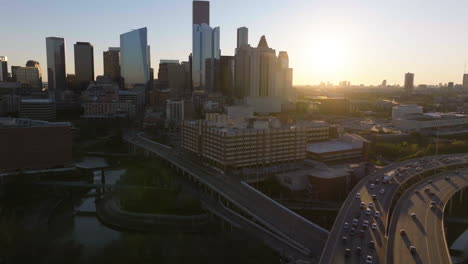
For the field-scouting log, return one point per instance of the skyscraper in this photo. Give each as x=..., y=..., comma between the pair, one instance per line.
x=258, y=72
x=242, y=37
x=205, y=47
x=172, y=75
x=201, y=12
x=56, y=64
x=112, y=64
x=134, y=57
x=465, y=81
x=263, y=69
x=84, y=63
x=3, y=68
x=284, y=76
x=409, y=82
x=226, y=75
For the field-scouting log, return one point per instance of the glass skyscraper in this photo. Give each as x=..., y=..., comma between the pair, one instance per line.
x=56, y=73
x=205, y=47
x=135, y=57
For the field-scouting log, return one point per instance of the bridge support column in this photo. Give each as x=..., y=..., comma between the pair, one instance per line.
x=450, y=206
x=461, y=195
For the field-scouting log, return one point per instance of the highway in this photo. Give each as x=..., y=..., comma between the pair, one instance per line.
x=424, y=230
x=373, y=242
x=282, y=221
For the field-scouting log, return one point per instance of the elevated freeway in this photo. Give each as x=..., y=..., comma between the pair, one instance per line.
x=376, y=192
x=418, y=220
x=286, y=225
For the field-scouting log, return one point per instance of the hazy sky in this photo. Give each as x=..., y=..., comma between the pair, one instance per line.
x=362, y=41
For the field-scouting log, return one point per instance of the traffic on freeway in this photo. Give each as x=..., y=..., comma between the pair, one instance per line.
x=359, y=232
x=416, y=233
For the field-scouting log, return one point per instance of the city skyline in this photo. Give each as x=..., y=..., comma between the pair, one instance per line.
x=344, y=45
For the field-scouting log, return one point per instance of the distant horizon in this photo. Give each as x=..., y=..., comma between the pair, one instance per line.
x=363, y=43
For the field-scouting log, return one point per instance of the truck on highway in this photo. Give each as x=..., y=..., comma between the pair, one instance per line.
x=459, y=249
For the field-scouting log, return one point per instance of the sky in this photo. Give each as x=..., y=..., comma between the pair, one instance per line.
x=361, y=41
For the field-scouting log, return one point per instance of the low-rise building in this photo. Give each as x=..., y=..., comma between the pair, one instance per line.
x=347, y=147
x=255, y=142
x=109, y=108
x=433, y=123
x=38, y=109
x=402, y=111
x=30, y=144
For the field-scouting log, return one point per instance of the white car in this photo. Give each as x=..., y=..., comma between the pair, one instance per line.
x=377, y=214
x=358, y=195
x=369, y=259
x=346, y=225
x=368, y=211
x=382, y=191
x=372, y=186
x=374, y=226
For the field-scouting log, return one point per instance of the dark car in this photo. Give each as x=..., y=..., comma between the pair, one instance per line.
x=347, y=252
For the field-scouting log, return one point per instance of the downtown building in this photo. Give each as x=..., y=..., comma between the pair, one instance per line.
x=30, y=75
x=205, y=47
x=84, y=64
x=56, y=73
x=38, y=109
x=233, y=143
x=111, y=59
x=259, y=72
x=175, y=77
x=3, y=69
x=135, y=58
x=30, y=144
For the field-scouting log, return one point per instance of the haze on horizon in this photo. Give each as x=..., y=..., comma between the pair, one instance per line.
x=361, y=42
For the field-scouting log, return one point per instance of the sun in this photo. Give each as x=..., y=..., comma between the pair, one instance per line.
x=328, y=57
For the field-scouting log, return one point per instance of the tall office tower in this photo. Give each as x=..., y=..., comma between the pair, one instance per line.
x=31, y=75
x=205, y=47
x=263, y=70
x=226, y=75
x=384, y=83
x=172, y=75
x=409, y=82
x=242, y=37
x=284, y=77
x=84, y=63
x=201, y=12
x=187, y=65
x=258, y=72
x=134, y=58
x=56, y=73
x=465, y=81
x=111, y=59
x=242, y=71
x=3, y=69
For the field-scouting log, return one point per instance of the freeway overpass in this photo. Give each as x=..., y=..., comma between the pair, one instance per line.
x=374, y=242
x=424, y=230
x=307, y=237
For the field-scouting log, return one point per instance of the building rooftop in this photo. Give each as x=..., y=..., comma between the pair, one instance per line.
x=37, y=101
x=346, y=142
x=6, y=122
x=329, y=146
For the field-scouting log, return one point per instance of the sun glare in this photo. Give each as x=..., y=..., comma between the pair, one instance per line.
x=329, y=56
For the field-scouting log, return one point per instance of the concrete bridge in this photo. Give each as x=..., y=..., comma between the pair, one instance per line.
x=302, y=239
